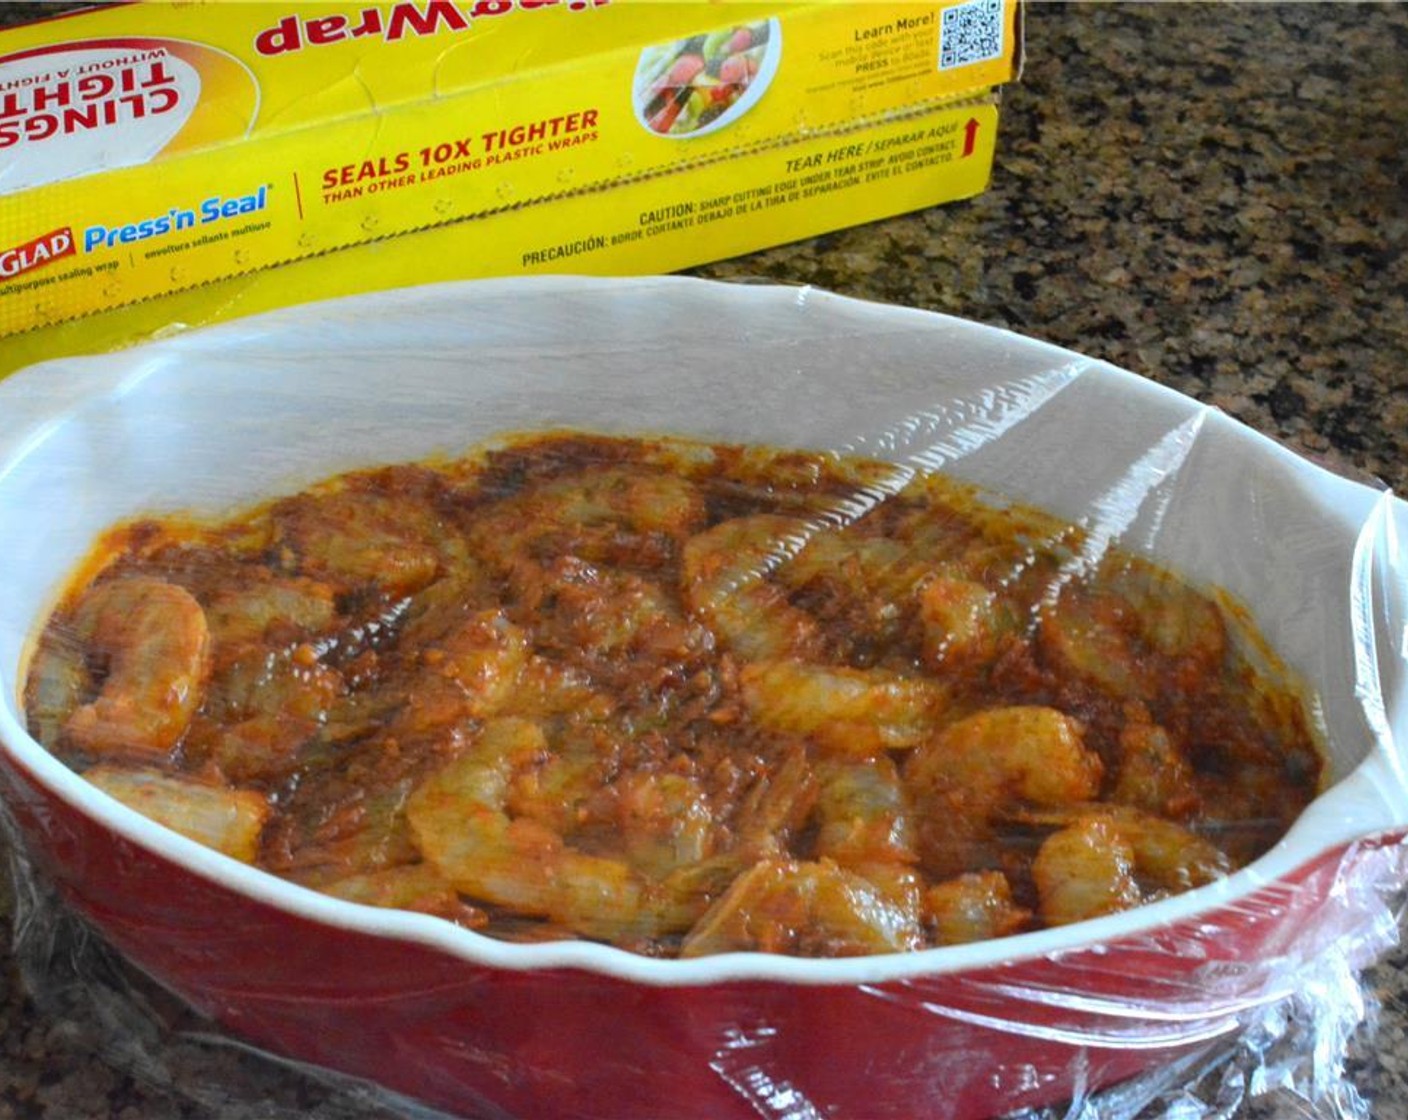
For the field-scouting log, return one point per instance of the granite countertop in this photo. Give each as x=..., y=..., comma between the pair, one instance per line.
x=1213, y=196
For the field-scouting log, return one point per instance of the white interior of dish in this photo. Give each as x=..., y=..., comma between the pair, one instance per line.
x=215, y=419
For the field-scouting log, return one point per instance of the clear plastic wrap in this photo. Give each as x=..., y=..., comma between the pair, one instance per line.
x=1188, y=1006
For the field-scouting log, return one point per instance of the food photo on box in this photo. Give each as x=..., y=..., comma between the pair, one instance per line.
x=635, y=561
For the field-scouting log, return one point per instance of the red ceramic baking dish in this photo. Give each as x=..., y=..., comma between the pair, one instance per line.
x=212, y=420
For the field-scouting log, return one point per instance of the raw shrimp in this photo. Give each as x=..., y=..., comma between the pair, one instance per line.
x=268, y=691
x=227, y=820
x=352, y=538
x=853, y=713
x=778, y=804
x=963, y=623
x=155, y=642
x=973, y=907
x=321, y=836
x=415, y=886
x=56, y=683
x=961, y=778
x=728, y=584
x=649, y=501
x=458, y=820
x=553, y=790
x=599, y=514
x=871, y=591
x=261, y=706
x=1108, y=859
x=660, y=821
x=483, y=657
x=866, y=565
x=469, y=673
x=244, y=613
x=610, y=616
x=348, y=812
x=441, y=607
x=1134, y=632
x=548, y=688
x=861, y=586
x=460, y=825
x=863, y=814
x=1153, y=773
x=590, y=788
x=996, y=544
x=807, y=909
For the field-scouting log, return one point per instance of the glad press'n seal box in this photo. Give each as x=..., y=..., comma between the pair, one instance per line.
x=182, y=163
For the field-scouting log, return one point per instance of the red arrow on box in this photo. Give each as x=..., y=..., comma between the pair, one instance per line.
x=970, y=136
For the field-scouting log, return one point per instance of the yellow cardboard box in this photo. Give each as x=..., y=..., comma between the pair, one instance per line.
x=182, y=163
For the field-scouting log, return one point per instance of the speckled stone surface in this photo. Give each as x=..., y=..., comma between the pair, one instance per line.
x=1213, y=196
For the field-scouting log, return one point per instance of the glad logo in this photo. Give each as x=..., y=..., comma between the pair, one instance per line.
x=44, y=249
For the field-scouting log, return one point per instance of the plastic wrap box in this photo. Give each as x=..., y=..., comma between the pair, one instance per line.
x=179, y=164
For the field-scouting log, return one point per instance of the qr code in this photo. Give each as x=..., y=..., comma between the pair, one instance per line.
x=970, y=33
